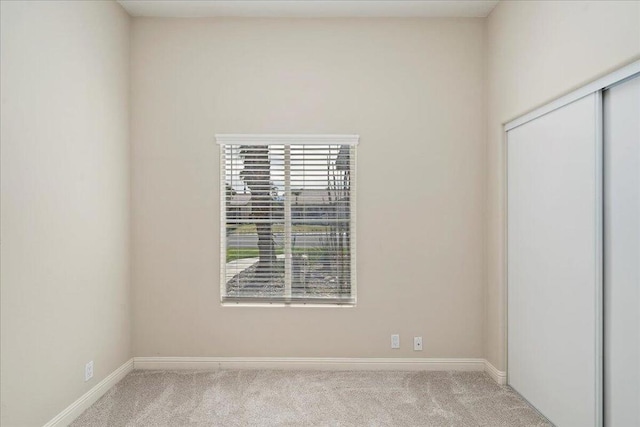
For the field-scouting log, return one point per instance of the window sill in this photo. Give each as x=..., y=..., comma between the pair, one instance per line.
x=282, y=304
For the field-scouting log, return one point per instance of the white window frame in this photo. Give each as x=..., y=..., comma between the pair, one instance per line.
x=285, y=139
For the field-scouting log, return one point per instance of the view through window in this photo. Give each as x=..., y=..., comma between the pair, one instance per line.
x=288, y=229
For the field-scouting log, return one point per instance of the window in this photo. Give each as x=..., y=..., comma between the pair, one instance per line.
x=287, y=218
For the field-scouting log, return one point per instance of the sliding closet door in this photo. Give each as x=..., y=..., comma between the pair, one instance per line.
x=622, y=254
x=554, y=262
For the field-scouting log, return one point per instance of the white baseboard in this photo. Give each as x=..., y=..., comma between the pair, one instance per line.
x=498, y=376
x=316, y=363
x=72, y=411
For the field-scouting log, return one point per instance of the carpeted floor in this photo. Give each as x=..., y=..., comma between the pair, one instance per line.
x=309, y=398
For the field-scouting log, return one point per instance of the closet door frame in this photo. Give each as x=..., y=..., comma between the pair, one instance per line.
x=597, y=86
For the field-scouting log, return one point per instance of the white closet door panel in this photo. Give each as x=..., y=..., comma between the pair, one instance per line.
x=554, y=260
x=622, y=254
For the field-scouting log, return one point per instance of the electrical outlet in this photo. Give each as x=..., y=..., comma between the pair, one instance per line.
x=88, y=371
x=417, y=343
x=395, y=341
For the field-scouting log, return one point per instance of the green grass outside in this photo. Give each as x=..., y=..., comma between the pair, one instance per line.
x=241, y=253
x=279, y=228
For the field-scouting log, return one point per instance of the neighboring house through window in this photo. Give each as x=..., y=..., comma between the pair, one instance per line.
x=288, y=218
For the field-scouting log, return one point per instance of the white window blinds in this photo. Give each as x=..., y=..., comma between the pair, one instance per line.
x=288, y=218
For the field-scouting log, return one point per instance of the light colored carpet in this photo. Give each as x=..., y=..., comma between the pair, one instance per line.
x=309, y=398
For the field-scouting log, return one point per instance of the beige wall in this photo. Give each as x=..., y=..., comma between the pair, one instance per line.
x=412, y=89
x=537, y=51
x=65, y=202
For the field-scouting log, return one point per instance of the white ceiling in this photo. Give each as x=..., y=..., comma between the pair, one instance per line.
x=309, y=8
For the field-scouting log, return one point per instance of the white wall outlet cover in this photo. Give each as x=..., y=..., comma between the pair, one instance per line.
x=417, y=343
x=88, y=371
x=395, y=341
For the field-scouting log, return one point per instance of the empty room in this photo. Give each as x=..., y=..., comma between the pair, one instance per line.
x=320, y=213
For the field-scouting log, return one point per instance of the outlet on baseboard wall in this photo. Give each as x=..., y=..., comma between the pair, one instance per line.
x=88, y=371
x=417, y=343
x=395, y=341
